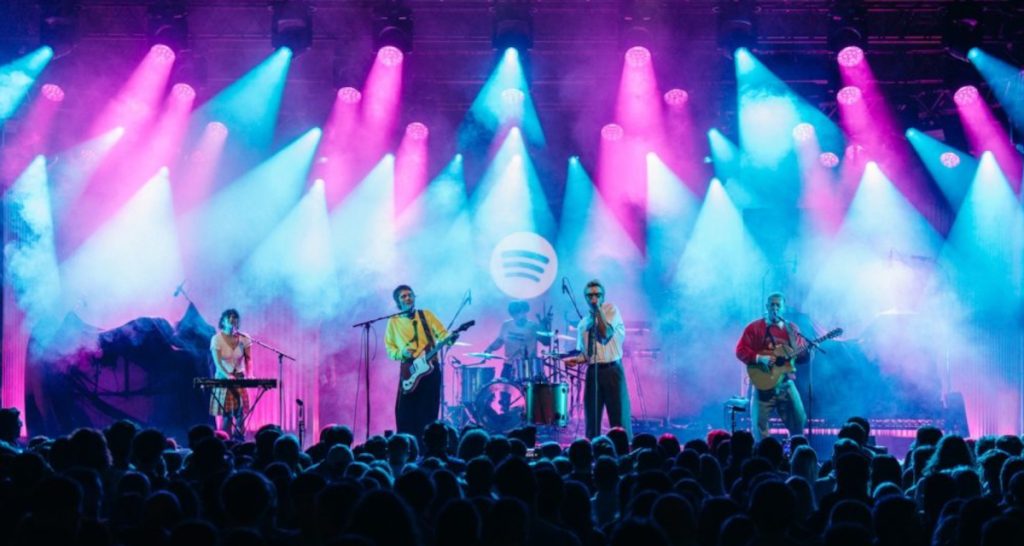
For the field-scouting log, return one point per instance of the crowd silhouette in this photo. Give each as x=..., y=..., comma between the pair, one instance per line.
x=126, y=485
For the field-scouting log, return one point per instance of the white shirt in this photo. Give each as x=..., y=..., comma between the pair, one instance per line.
x=610, y=350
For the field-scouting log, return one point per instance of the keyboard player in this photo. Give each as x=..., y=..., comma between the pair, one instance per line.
x=232, y=359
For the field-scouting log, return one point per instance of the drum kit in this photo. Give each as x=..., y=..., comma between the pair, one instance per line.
x=526, y=391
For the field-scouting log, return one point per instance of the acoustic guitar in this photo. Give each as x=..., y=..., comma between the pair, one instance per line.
x=785, y=362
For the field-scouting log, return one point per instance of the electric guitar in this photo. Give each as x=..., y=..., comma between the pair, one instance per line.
x=414, y=369
x=785, y=360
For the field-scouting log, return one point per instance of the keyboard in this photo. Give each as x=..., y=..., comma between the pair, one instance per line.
x=244, y=383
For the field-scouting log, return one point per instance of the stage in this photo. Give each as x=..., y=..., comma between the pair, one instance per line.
x=298, y=164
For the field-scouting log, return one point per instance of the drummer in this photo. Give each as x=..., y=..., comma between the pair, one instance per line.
x=519, y=336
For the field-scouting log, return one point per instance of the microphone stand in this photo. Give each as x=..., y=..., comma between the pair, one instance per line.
x=567, y=289
x=572, y=299
x=365, y=357
x=280, y=376
x=444, y=356
x=810, y=383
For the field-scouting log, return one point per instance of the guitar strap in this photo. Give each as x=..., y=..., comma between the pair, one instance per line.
x=769, y=339
x=791, y=334
x=426, y=330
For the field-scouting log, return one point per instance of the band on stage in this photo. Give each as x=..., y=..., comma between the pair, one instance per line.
x=534, y=387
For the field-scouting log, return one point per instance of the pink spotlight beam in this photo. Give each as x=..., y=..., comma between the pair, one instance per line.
x=52, y=92
x=638, y=56
x=850, y=56
x=676, y=98
x=612, y=131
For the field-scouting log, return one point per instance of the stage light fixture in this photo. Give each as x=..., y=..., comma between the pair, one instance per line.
x=58, y=25
x=291, y=25
x=962, y=28
x=167, y=24
x=637, y=19
x=392, y=25
x=676, y=98
x=513, y=25
x=737, y=25
x=847, y=25
x=966, y=95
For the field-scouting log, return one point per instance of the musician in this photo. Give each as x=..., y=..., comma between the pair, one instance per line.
x=408, y=335
x=232, y=359
x=599, y=338
x=759, y=339
x=519, y=335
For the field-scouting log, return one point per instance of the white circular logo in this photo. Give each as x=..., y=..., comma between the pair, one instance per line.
x=524, y=265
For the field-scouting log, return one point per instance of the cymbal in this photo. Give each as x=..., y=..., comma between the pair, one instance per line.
x=485, y=356
x=462, y=344
x=544, y=333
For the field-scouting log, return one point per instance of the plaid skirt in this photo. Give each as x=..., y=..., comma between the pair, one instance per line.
x=228, y=401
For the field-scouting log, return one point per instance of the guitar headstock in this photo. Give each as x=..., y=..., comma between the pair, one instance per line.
x=464, y=326
x=832, y=334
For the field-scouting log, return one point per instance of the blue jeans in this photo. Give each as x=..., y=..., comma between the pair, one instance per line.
x=785, y=401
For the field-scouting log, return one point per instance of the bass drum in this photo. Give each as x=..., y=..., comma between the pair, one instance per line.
x=499, y=406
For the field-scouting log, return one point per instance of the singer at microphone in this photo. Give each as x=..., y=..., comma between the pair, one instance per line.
x=600, y=336
x=409, y=335
x=232, y=359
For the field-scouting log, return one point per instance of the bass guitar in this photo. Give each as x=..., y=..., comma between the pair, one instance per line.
x=785, y=362
x=414, y=369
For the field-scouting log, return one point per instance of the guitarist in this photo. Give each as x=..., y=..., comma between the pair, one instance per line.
x=408, y=335
x=760, y=339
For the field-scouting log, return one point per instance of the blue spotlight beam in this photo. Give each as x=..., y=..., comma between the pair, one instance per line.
x=504, y=100
x=17, y=77
x=953, y=181
x=1006, y=81
x=769, y=110
x=30, y=263
x=985, y=245
x=254, y=203
x=249, y=106
x=510, y=197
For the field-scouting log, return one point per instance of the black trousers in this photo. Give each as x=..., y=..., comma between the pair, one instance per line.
x=417, y=409
x=611, y=393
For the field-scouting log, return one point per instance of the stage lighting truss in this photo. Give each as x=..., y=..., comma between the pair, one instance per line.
x=847, y=25
x=58, y=25
x=189, y=67
x=637, y=22
x=737, y=25
x=291, y=25
x=513, y=25
x=167, y=24
x=962, y=28
x=392, y=25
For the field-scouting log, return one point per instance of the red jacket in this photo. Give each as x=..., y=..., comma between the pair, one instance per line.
x=755, y=340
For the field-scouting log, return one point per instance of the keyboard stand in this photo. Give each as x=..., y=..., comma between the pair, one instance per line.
x=238, y=428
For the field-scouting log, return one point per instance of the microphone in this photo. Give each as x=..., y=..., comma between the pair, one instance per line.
x=469, y=297
x=299, y=402
x=177, y=291
x=565, y=285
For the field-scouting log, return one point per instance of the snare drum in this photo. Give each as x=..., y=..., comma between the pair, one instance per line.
x=473, y=378
x=547, y=404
